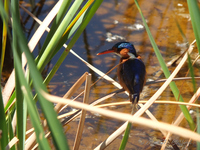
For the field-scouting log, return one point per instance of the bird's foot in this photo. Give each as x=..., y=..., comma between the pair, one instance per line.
x=124, y=60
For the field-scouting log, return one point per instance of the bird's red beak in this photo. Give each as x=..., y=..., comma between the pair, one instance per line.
x=106, y=52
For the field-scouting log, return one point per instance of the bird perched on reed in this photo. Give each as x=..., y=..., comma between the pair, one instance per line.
x=131, y=71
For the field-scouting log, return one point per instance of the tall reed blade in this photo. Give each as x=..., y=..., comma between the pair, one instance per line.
x=4, y=39
x=20, y=105
x=195, y=19
x=194, y=89
x=198, y=127
x=192, y=74
x=34, y=115
x=3, y=126
x=126, y=136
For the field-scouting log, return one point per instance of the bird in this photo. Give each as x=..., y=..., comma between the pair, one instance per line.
x=131, y=71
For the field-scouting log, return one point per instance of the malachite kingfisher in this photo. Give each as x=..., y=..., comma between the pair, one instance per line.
x=131, y=71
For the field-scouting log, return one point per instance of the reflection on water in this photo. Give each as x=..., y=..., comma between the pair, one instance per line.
x=114, y=21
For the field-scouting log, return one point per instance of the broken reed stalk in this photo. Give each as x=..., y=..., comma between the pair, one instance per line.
x=83, y=114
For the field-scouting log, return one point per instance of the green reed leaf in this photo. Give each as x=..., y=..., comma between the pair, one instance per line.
x=32, y=109
x=195, y=19
x=198, y=127
x=3, y=127
x=126, y=136
x=20, y=105
x=192, y=73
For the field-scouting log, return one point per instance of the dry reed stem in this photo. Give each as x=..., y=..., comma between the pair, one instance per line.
x=143, y=101
x=65, y=115
x=29, y=141
x=124, y=117
x=165, y=141
x=175, y=79
x=30, y=131
x=36, y=145
x=83, y=114
x=12, y=142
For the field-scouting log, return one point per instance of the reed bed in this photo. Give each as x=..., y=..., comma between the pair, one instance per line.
x=17, y=99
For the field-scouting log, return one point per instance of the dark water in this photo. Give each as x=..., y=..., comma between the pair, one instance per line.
x=118, y=20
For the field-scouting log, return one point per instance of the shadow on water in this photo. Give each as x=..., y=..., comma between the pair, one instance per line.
x=118, y=20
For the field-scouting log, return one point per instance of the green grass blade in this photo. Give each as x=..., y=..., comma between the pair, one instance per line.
x=194, y=14
x=4, y=39
x=181, y=31
x=20, y=107
x=3, y=127
x=3, y=13
x=10, y=129
x=192, y=73
x=198, y=127
x=126, y=136
x=10, y=101
x=173, y=86
x=34, y=115
x=194, y=89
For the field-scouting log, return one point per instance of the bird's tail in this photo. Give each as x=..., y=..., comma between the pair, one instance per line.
x=134, y=98
x=134, y=108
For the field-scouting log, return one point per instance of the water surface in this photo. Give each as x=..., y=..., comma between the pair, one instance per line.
x=114, y=21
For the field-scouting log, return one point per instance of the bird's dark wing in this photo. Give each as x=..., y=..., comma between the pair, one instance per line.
x=133, y=75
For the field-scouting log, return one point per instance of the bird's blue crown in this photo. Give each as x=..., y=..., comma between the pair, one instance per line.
x=127, y=45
